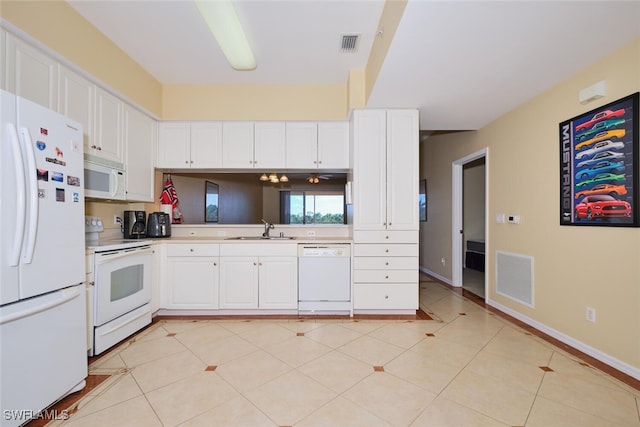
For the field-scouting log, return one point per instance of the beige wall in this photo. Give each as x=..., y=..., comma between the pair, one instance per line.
x=574, y=267
x=247, y=102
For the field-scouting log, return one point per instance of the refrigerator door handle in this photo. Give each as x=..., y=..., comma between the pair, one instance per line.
x=32, y=178
x=21, y=195
x=67, y=295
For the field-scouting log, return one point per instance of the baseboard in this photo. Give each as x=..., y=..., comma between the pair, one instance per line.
x=578, y=345
x=436, y=276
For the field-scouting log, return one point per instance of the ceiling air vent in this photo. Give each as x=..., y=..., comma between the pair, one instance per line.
x=349, y=43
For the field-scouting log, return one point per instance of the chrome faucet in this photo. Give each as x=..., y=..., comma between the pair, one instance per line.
x=267, y=226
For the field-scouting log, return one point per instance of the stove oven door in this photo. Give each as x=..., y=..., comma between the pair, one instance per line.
x=122, y=282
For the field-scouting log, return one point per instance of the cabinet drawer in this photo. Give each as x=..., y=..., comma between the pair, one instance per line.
x=385, y=276
x=385, y=297
x=385, y=263
x=195, y=249
x=382, y=236
x=385, y=250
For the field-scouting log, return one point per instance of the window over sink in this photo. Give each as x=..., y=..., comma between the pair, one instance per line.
x=312, y=207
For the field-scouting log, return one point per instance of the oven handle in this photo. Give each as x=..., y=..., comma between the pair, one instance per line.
x=104, y=257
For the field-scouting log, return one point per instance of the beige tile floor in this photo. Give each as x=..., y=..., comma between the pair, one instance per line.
x=468, y=367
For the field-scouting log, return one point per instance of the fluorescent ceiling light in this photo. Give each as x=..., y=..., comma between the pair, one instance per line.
x=223, y=22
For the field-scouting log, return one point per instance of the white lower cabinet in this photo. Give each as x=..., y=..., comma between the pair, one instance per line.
x=259, y=282
x=385, y=270
x=239, y=279
x=205, y=276
x=192, y=275
x=259, y=276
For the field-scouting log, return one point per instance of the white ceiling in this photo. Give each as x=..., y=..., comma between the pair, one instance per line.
x=462, y=63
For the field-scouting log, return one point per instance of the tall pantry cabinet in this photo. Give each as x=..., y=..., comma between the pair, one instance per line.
x=385, y=210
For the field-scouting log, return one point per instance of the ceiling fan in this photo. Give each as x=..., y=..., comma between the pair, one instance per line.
x=314, y=179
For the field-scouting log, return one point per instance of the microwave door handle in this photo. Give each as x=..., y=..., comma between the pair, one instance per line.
x=21, y=197
x=116, y=183
x=32, y=228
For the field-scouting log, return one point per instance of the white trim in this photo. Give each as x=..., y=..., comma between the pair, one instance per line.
x=436, y=275
x=456, y=212
x=578, y=345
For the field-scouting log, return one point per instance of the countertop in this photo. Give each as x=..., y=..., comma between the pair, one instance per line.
x=226, y=240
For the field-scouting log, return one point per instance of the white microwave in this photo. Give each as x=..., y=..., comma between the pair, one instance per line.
x=104, y=180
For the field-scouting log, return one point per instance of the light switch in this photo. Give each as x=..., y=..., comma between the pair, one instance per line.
x=500, y=218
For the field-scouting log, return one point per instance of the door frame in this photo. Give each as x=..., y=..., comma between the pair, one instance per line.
x=456, y=212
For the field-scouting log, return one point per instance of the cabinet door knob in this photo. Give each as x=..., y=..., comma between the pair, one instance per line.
x=319, y=161
x=215, y=264
x=386, y=297
x=386, y=250
x=191, y=250
x=191, y=161
x=386, y=237
x=94, y=147
x=255, y=263
x=315, y=163
x=386, y=263
x=99, y=148
x=186, y=161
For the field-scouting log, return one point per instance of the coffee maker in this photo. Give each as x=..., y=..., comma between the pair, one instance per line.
x=135, y=225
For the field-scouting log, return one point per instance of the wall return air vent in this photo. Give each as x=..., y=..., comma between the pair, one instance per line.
x=349, y=43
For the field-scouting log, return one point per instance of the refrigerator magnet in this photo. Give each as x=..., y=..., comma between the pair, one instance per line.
x=41, y=145
x=76, y=197
x=59, y=194
x=73, y=180
x=57, y=176
x=43, y=174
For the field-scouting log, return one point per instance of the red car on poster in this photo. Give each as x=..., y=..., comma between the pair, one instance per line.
x=602, y=115
x=601, y=206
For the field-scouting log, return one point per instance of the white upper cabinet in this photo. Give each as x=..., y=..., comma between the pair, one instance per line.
x=385, y=169
x=237, y=145
x=30, y=73
x=108, y=141
x=402, y=170
x=174, y=145
x=302, y=145
x=333, y=145
x=189, y=145
x=269, y=145
x=206, y=145
x=323, y=145
x=77, y=101
x=140, y=133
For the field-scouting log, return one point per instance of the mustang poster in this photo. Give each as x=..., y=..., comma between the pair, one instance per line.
x=599, y=166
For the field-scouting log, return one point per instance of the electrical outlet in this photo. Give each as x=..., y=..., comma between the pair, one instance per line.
x=117, y=220
x=442, y=260
x=591, y=314
x=311, y=233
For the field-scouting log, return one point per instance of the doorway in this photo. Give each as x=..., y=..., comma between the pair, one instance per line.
x=469, y=222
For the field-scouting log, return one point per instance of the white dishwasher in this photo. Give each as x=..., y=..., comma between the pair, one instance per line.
x=324, y=279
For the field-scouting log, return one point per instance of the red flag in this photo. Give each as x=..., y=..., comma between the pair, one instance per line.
x=169, y=196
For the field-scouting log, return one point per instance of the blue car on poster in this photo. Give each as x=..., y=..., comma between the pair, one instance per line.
x=601, y=167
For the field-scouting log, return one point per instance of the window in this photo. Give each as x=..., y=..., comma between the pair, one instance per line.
x=312, y=207
x=211, y=192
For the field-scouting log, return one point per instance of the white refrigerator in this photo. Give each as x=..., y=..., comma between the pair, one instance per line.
x=43, y=350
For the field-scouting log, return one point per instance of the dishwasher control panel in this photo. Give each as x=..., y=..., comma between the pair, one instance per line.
x=324, y=251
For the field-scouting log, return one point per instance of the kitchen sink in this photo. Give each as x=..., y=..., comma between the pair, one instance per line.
x=260, y=238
